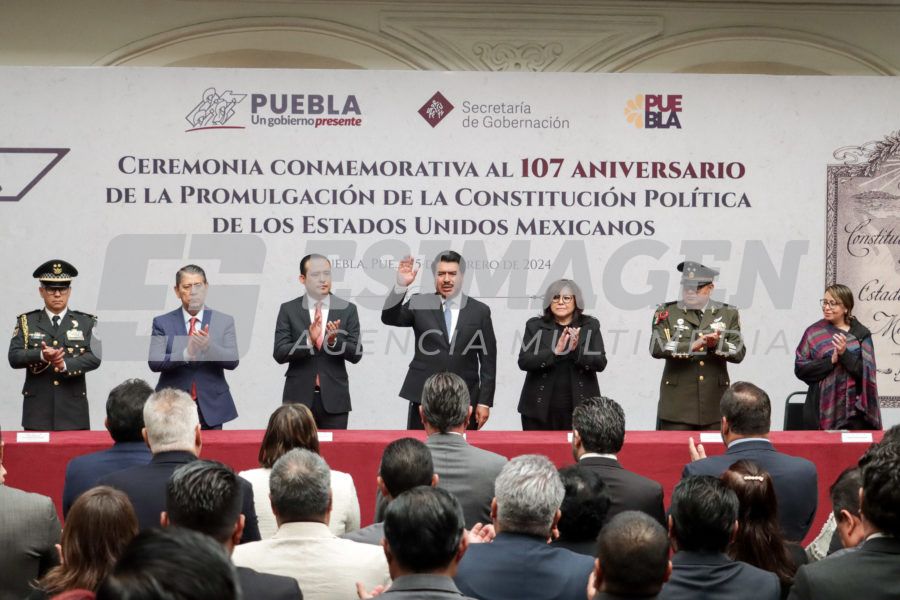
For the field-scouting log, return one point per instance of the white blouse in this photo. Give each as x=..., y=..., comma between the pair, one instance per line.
x=344, y=503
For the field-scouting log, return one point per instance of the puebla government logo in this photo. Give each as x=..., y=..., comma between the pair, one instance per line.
x=654, y=111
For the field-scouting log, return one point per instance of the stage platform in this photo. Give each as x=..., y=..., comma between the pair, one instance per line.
x=40, y=466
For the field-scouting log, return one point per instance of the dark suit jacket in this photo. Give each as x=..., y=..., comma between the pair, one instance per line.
x=424, y=587
x=167, y=346
x=536, y=357
x=697, y=575
x=471, y=352
x=145, y=486
x=55, y=401
x=293, y=346
x=29, y=529
x=367, y=535
x=794, y=478
x=265, y=586
x=83, y=472
x=872, y=573
x=627, y=490
x=523, y=566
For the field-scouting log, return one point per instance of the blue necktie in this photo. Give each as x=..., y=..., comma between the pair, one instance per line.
x=448, y=319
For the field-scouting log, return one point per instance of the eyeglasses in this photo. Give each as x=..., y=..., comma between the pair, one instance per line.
x=563, y=299
x=829, y=303
x=56, y=291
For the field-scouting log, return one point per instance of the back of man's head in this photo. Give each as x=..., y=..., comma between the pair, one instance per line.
x=528, y=492
x=600, y=423
x=125, y=410
x=405, y=464
x=205, y=496
x=300, y=487
x=747, y=409
x=445, y=401
x=844, y=492
x=633, y=552
x=880, y=504
x=171, y=421
x=584, y=506
x=172, y=563
x=423, y=527
x=703, y=514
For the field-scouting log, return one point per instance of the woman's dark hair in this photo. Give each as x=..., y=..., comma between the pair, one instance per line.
x=555, y=289
x=99, y=526
x=290, y=426
x=585, y=505
x=759, y=540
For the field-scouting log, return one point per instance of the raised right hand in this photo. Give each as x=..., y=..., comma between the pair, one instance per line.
x=407, y=271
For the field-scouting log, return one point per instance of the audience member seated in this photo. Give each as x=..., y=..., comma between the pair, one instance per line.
x=124, y=421
x=519, y=563
x=702, y=524
x=293, y=426
x=29, y=532
x=845, y=510
x=584, y=510
x=99, y=526
x=871, y=572
x=465, y=471
x=172, y=430
x=172, y=563
x=405, y=464
x=599, y=433
x=746, y=416
x=424, y=540
x=632, y=558
x=303, y=547
x=759, y=540
x=205, y=496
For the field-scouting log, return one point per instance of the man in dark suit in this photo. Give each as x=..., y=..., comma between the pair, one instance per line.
x=29, y=532
x=599, y=433
x=424, y=540
x=191, y=348
x=632, y=558
x=206, y=496
x=317, y=334
x=405, y=464
x=702, y=523
x=519, y=563
x=453, y=332
x=172, y=430
x=125, y=422
x=56, y=347
x=871, y=571
x=746, y=416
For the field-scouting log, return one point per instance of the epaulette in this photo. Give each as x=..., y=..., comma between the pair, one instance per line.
x=88, y=315
x=30, y=312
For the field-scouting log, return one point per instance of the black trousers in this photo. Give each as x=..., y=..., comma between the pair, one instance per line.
x=325, y=419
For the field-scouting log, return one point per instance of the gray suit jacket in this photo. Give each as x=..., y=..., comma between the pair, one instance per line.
x=367, y=535
x=29, y=531
x=424, y=587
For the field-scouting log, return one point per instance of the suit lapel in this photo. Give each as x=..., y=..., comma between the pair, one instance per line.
x=304, y=311
x=45, y=325
x=178, y=321
x=438, y=315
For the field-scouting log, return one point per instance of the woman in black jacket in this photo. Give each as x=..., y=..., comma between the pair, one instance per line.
x=562, y=352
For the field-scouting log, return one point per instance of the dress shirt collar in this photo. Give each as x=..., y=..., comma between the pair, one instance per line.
x=598, y=455
x=424, y=582
x=304, y=529
x=188, y=316
x=749, y=439
x=311, y=303
x=61, y=315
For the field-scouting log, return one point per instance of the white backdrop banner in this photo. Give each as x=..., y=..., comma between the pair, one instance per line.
x=610, y=180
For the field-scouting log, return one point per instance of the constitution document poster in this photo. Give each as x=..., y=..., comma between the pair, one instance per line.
x=783, y=184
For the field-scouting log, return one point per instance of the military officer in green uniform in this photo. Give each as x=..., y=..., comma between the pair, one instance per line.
x=697, y=337
x=53, y=344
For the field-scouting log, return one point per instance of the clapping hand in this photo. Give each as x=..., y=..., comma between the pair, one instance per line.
x=839, y=342
x=364, y=595
x=562, y=344
x=406, y=272
x=331, y=331
x=697, y=452
x=574, y=333
x=315, y=328
x=54, y=356
x=198, y=342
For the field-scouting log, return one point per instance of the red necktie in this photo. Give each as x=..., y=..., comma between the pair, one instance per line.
x=191, y=331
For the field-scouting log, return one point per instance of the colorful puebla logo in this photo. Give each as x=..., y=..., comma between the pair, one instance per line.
x=654, y=111
x=435, y=109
